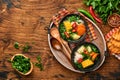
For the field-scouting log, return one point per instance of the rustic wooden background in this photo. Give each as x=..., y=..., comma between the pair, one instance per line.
x=25, y=21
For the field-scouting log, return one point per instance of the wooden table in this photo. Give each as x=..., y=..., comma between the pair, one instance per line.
x=25, y=21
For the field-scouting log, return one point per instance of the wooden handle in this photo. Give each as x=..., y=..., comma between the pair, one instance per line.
x=67, y=54
x=67, y=46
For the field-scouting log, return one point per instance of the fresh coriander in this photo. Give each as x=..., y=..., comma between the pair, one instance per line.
x=26, y=48
x=39, y=58
x=16, y=45
x=39, y=64
x=104, y=7
x=21, y=63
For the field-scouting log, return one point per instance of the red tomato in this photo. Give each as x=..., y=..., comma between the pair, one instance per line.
x=80, y=60
x=76, y=28
x=74, y=25
x=73, y=30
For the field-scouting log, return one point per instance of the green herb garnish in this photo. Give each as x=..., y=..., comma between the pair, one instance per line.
x=104, y=7
x=78, y=65
x=21, y=63
x=16, y=45
x=39, y=64
x=24, y=48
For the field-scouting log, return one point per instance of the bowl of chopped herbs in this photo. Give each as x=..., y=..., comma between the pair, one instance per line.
x=22, y=64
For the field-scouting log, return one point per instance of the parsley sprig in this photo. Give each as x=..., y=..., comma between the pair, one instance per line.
x=25, y=48
x=104, y=7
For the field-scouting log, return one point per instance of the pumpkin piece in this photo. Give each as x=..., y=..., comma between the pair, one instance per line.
x=94, y=56
x=81, y=29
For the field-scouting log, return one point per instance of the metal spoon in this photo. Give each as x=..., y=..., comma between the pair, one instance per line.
x=55, y=34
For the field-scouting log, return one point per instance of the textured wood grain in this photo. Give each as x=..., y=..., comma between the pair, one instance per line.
x=24, y=21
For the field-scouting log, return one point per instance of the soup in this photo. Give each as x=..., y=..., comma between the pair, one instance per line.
x=72, y=27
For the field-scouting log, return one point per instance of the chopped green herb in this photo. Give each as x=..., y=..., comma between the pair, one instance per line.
x=78, y=65
x=21, y=63
x=39, y=64
x=73, y=18
x=26, y=48
x=16, y=45
x=39, y=58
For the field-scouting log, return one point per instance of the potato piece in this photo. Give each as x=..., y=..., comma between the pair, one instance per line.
x=87, y=63
x=81, y=49
x=89, y=49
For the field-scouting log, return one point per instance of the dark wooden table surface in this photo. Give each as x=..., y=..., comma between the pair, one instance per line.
x=25, y=21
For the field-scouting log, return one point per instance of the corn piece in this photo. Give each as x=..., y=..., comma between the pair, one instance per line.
x=87, y=63
x=67, y=25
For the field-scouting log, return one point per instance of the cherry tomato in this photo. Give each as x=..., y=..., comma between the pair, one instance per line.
x=73, y=30
x=80, y=60
x=74, y=25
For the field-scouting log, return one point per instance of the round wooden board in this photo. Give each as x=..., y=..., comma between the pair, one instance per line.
x=99, y=42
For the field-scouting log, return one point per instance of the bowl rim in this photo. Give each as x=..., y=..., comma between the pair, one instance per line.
x=88, y=69
x=85, y=23
x=31, y=68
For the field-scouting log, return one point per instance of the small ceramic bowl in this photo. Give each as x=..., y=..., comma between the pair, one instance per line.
x=31, y=65
x=97, y=62
x=82, y=37
x=114, y=20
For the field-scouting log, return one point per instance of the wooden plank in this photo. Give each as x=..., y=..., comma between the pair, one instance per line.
x=25, y=22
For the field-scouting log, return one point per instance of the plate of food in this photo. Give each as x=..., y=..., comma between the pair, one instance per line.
x=113, y=42
x=76, y=38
